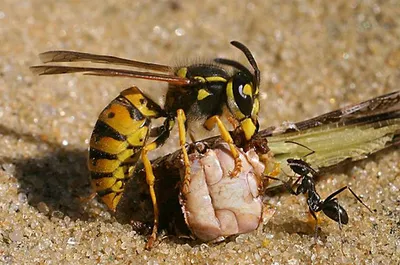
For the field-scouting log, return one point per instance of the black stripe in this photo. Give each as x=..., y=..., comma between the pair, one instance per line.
x=100, y=175
x=134, y=113
x=132, y=160
x=102, y=129
x=95, y=154
x=102, y=193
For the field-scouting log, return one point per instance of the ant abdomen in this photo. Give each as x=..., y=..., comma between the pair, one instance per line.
x=336, y=212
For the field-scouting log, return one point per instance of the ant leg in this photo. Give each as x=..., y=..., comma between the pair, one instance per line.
x=329, y=198
x=209, y=124
x=288, y=187
x=338, y=212
x=316, y=224
x=358, y=198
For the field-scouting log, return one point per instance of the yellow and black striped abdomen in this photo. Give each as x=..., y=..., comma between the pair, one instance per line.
x=116, y=143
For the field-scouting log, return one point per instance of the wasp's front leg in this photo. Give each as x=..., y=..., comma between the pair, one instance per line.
x=209, y=124
x=182, y=142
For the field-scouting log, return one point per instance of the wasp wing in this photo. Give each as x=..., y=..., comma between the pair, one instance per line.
x=370, y=107
x=72, y=56
x=348, y=134
x=59, y=69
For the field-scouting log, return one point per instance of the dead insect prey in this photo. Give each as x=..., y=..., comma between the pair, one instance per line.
x=217, y=205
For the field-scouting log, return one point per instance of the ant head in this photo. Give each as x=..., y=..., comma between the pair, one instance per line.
x=337, y=213
x=300, y=167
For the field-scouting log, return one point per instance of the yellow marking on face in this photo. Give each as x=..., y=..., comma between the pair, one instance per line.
x=248, y=128
x=117, y=116
x=136, y=97
x=232, y=103
x=256, y=107
x=229, y=91
x=107, y=144
x=138, y=138
x=202, y=94
x=215, y=79
x=182, y=72
x=103, y=165
x=247, y=90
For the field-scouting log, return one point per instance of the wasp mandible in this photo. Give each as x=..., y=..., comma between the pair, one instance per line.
x=195, y=92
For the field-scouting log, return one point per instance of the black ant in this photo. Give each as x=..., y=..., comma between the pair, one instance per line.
x=330, y=206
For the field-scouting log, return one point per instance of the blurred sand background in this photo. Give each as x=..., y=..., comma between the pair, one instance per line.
x=314, y=56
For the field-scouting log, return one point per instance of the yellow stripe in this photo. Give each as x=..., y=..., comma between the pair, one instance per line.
x=107, y=144
x=139, y=137
x=202, y=93
x=136, y=97
x=117, y=116
x=182, y=72
x=117, y=187
x=103, y=183
x=125, y=154
x=111, y=200
x=215, y=79
x=200, y=78
x=103, y=165
x=119, y=173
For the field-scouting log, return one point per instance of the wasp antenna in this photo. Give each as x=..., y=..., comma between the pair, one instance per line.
x=249, y=57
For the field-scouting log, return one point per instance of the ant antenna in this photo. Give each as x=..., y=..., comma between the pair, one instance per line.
x=302, y=145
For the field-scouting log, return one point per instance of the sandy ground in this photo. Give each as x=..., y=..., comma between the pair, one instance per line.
x=314, y=57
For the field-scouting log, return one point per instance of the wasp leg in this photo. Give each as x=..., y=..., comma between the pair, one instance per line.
x=150, y=178
x=209, y=124
x=182, y=142
x=88, y=198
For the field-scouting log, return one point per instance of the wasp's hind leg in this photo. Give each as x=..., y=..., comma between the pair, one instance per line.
x=150, y=178
x=209, y=124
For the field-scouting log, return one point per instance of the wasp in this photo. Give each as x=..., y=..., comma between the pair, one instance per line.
x=121, y=135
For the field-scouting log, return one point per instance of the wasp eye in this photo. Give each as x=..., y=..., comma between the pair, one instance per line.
x=243, y=93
